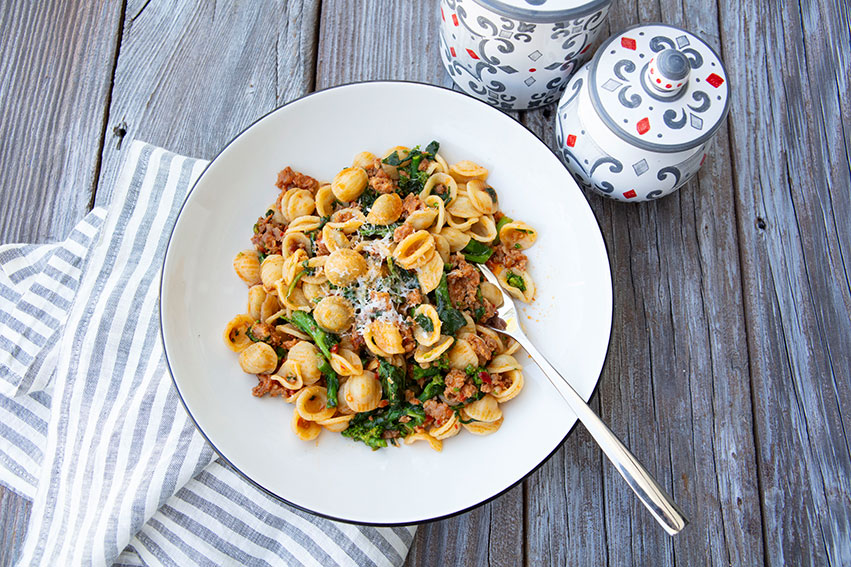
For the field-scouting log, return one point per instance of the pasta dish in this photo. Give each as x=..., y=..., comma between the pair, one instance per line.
x=366, y=310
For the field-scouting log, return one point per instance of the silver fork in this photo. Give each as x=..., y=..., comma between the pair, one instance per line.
x=651, y=494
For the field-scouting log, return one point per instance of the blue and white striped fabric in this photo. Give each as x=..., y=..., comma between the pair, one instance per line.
x=91, y=428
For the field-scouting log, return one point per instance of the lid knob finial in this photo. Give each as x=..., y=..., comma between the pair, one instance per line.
x=668, y=71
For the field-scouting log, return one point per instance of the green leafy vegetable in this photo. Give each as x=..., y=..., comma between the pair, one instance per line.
x=499, y=224
x=293, y=283
x=411, y=179
x=515, y=280
x=392, y=380
x=477, y=252
x=367, y=229
x=332, y=382
x=424, y=322
x=451, y=318
x=400, y=277
x=367, y=199
x=432, y=389
x=370, y=427
x=324, y=341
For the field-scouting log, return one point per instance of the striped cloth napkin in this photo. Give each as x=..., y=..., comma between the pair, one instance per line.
x=91, y=428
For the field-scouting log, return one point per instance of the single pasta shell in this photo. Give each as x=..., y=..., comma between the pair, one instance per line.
x=464, y=171
x=481, y=428
x=337, y=424
x=422, y=336
x=450, y=428
x=435, y=444
x=430, y=273
x=433, y=352
x=344, y=266
x=270, y=271
x=346, y=362
x=312, y=405
x=486, y=409
x=386, y=210
x=258, y=358
x=235, y=335
x=289, y=376
x=462, y=355
x=325, y=201
x=517, y=234
x=362, y=393
x=304, y=429
x=503, y=363
x=246, y=264
x=349, y=184
x=516, y=377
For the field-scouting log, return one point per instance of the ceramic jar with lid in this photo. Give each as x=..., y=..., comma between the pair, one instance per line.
x=635, y=122
x=517, y=54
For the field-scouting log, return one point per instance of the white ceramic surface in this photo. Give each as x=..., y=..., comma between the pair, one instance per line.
x=336, y=477
x=629, y=138
x=522, y=61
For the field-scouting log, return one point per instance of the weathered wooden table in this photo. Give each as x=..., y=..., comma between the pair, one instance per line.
x=728, y=372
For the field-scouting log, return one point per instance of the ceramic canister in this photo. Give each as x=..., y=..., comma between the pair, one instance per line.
x=517, y=54
x=635, y=122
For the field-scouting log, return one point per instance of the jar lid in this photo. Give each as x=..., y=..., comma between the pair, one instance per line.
x=659, y=87
x=544, y=11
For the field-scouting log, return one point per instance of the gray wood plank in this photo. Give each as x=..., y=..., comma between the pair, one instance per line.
x=55, y=76
x=565, y=517
x=191, y=76
x=675, y=386
x=14, y=515
x=790, y=145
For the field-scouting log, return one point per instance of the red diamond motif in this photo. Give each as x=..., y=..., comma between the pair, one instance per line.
x=472, y=54
x=628, y=42
x=643, y=125
x=455, y=19
x=585, y=49
x=703, y=159
x=630, y=194
x=571, y=140
x=714, y=80
x=442, y=15
x=452, y=51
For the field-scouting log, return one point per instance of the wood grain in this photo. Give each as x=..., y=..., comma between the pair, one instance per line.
x=14, y=515
x=192, y=75
x=790, y=148
x=57, y=60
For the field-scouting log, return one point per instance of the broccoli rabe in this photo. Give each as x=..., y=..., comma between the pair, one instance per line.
x=392, y=380
x=451, y=318
x=370, y=427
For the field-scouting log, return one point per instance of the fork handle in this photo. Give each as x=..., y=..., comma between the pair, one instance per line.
x=651, y=494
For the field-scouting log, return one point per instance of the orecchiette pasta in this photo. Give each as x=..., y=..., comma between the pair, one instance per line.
x=365, y=308
x=247, y=266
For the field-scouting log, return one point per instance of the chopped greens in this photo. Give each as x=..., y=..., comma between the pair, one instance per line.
x=367, y=199
x=411, y=179
x=392, y=380
x=515, y=280
x=451, y=318
x=332, y=382
x=477, y=252
x=424, y=322
x=404, y=279
x=324, y=341
x=371, y=427
x=376, y=230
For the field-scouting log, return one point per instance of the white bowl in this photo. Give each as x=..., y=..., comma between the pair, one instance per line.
x=336, y=477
